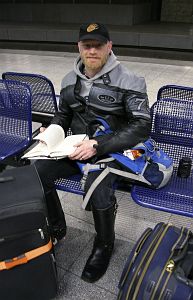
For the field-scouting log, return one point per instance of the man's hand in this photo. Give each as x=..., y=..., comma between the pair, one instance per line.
x=84, y=150
x=42, y=129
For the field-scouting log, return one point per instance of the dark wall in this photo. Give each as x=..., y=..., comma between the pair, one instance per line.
x=114, y=12
x=78, y=1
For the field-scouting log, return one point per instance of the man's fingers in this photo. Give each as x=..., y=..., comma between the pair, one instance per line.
x=42, y=129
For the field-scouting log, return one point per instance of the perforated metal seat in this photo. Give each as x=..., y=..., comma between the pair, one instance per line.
x=71, y=185
x=44, y=103
x=172, y=129
x=15, y=118
x=175, y=92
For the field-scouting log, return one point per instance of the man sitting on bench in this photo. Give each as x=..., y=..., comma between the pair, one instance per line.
x=98, y=87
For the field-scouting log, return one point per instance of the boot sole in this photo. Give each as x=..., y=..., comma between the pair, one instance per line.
x=86, y=279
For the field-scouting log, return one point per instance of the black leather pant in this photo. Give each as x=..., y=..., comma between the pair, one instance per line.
x=50, y=170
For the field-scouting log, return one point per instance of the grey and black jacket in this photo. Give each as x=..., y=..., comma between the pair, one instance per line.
x=114, y=94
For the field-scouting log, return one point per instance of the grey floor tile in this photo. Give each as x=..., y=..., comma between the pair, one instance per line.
x=69, y=249
x=60, y=272
x=71, y=204
x=133, y=219
x=111, y=278
x=73, y=288
x=181, y=221
x=130, y=208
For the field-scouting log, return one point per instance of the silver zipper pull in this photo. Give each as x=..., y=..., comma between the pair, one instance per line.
x=47, y=222
x=41, y=233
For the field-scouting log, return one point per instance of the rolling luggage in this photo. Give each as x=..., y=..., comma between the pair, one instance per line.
x=27, y=262
x=160, y=266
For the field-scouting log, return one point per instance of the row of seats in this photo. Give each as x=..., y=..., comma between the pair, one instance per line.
x=172, y=130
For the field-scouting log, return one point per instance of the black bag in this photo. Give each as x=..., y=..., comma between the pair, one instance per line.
x=27, y=262
x=160, y=266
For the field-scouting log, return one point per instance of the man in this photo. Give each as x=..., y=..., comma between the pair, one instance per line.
x=98, y=87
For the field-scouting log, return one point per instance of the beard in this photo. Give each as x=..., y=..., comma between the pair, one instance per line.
x=95, y=64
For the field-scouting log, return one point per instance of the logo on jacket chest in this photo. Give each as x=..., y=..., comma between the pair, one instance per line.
x=106, y=99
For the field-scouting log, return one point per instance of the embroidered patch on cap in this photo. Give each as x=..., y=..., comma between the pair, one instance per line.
x=92, y=27
x=94, y=31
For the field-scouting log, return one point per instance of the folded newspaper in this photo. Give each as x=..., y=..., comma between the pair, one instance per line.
x=53, y=144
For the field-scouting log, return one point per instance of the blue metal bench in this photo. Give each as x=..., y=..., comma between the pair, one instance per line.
x=175, y=92
x=172, y=129
x=15, y=118
x=71, y=185
x=44, y=103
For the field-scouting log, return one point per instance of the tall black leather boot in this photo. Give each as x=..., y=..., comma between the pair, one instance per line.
x=56, y=215
x=98, y=261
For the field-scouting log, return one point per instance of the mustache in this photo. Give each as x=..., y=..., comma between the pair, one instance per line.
x=92, y=56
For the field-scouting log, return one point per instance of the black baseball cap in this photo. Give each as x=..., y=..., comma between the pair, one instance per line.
x=94, y=31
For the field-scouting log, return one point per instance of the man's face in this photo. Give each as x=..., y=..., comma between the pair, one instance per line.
x=94, y=54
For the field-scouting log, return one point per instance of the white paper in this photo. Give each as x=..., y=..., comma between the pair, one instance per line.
x=53, y=144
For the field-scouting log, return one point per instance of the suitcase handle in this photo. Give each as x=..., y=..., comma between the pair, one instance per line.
x=179, y=271
x=179, y=274
x=181, y=255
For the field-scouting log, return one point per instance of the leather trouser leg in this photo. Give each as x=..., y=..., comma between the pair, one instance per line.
x=49, y=171
x=56, y=214
x=98, y=261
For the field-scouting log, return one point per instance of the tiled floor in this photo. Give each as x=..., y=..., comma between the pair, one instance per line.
x=132, y=219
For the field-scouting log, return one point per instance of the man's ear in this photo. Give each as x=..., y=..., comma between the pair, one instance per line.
x=110, y=44
x=79, y=46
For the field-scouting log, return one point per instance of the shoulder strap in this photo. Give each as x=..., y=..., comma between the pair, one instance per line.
x=103, y=174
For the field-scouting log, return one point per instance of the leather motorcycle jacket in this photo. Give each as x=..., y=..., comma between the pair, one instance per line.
x=114, y=94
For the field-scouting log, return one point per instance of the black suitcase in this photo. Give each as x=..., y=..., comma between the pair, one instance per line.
x=27, y=262
x=160, y=266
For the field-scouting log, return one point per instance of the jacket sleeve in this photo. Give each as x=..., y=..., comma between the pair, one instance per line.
x=138, y=129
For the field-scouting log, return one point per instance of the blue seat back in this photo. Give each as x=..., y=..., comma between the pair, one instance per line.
x=42, y=90
x=15, y=117
x=172, y=127
x=175, y=92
